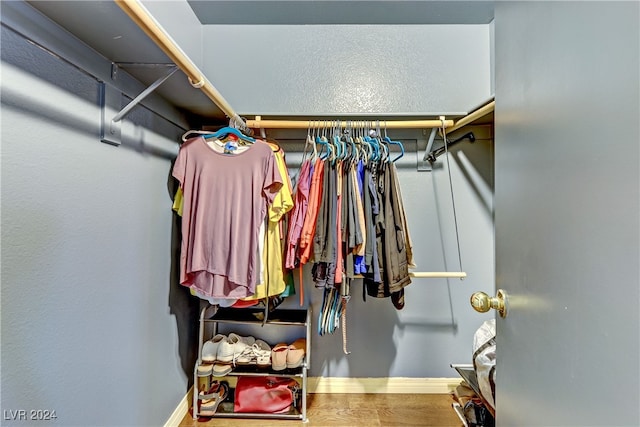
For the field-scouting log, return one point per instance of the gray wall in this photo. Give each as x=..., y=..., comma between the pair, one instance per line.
x=87, y=299
x=88, y=324
x=567, y=212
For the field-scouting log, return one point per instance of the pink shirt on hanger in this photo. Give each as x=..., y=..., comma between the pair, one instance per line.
x=225, y=201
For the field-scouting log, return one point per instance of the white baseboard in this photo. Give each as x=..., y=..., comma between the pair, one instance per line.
x=337, y=385
x=181, y=410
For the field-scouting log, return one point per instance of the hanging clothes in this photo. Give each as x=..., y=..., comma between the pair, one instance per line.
x=390, y=238
x=225, y=198
x=297, y=217
x=272, y=278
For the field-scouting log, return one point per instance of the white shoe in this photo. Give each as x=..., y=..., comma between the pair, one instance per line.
x=257, y=354
x=233, y=347
x=210, y=348
x=262, y=351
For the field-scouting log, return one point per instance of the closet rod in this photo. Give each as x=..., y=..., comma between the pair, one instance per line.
x=473, y=116
x=438, y=274
x=143, y=19
x=432, y=275
x=389, y=124
x=306, y=124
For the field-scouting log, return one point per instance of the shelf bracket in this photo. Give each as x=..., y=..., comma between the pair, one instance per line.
x=110, y=128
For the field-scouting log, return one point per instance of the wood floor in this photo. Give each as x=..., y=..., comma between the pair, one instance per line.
x=361, y=410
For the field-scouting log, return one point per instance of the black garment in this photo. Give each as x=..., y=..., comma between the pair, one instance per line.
x=390, y=239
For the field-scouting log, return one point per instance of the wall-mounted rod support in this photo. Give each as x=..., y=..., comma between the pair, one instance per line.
x=143, y=19
x=135, y=101
x=433, y=155
x=432, y=137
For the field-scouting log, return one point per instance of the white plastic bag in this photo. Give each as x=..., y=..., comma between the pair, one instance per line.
x=484, y=360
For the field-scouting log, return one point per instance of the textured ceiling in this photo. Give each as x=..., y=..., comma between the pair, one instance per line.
x=342, y=12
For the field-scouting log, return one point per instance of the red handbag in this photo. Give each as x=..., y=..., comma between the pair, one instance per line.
x=272, y=395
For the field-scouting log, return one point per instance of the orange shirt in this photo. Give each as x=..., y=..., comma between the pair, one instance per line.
x=315, y=197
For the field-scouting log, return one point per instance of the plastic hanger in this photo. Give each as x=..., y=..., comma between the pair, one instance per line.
x=225, y=131
x=373, y=143
x=354, y=154
x=324, y=142
x=337, y=143
x=389, y=141
x=310, y=141
x=185, y=135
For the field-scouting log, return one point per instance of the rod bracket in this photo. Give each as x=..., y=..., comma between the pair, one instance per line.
x=110, y=98
x=423, y=164
x=110, y=126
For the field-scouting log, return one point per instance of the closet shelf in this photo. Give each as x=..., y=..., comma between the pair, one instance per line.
x=145, y=21
x=253, y=315
x=288, y=373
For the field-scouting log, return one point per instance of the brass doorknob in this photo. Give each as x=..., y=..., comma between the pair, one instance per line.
x=482, y=302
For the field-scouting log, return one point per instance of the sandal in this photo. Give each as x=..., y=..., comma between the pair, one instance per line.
x=221, y=370
x=279, y=357
x=296, y=352
x=210, y=401
x=204, y=373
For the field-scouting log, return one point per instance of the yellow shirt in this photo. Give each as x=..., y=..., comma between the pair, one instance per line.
x=274, y=241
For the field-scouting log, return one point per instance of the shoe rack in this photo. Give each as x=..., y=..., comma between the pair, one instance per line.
x=212, y=316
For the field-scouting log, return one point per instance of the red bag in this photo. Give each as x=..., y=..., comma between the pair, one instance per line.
x=272, y=395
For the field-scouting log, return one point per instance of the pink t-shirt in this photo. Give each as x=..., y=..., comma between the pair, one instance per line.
x=225, y=201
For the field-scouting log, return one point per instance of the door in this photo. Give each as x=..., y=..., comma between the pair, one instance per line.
x=567, y=213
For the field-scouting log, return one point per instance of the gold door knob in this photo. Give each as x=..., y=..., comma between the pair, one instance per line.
x=482, y=302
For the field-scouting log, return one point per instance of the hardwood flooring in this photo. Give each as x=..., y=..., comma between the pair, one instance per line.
x=356, y=410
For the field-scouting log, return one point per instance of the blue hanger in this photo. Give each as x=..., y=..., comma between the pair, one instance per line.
x=373, y=143
x=233, y=131
x=398, y=143
x=322, y=140
x=389, y=141
x=339, y=147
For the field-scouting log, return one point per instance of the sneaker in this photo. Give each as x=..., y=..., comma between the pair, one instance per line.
x=210, y=348
x=258, y=354
x=262, y=353
x=234, y=345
